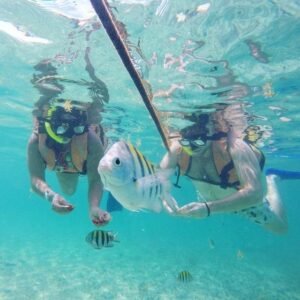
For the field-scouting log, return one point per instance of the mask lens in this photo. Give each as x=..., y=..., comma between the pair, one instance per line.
x=62, y=128
x=184, y=143
x=198, y=143
x=79, y=129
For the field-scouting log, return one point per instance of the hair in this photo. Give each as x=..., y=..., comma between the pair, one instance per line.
x=199, y=128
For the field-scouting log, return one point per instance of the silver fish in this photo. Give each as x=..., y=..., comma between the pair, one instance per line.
x=132, y=179
x=100, y=238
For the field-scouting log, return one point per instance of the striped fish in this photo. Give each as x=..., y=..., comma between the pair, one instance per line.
x=100, y=238
x=184, y=276
x=132, y=179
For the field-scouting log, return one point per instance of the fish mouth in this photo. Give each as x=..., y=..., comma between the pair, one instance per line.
x=104, y=167
x=103, y=179
x=104, y=170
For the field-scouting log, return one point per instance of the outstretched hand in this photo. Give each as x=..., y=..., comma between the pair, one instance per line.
x=99, y=217
x=170, y=205
x=60, y=205
x=192, y=210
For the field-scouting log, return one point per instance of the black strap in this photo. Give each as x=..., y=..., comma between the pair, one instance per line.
x=177, y=177
x=215, y=137
x=224, y=175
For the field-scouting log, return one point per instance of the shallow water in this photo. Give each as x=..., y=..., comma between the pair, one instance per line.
x=45, y=256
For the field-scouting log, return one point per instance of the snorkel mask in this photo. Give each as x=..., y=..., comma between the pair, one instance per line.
x=65, y=119
x=190, y=146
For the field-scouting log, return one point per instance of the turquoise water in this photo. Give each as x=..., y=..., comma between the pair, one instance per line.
x=45, y=256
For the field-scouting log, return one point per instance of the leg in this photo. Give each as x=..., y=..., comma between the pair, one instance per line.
x=68, y=182
x=279, y=223
x=270, y=213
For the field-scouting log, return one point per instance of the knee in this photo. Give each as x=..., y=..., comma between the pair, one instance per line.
x=69, y=190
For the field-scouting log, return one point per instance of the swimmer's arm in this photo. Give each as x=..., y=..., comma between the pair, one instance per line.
x=95, y=152
x=250, y=193
x=249, y=173
x=36, y=167
x=95, y=186
x=171, y=158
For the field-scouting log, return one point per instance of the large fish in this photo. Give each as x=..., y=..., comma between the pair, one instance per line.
x=133, y=180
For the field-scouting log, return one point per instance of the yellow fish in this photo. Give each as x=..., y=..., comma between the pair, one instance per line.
x=268, y=90
x=184, y=276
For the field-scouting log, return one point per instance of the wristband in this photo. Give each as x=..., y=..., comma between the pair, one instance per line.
x=208, y=209
x=49, y=196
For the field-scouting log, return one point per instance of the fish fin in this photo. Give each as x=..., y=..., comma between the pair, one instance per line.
x=112, y=204
x=161, y=176
x=96, y=247
x=160, y=179
x=116, y=240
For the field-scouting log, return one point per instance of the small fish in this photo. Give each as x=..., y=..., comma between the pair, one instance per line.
x=240, y=254
x=133, y=180
x=184, y=276
x=211, y=244
x=268, y=90
x=100, y=238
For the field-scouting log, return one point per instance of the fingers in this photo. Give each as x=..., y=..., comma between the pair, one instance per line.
x=167, y=206
x=97, y=222
x=194, y=209
x=174, y=203
x=61, y=206
x=172, y=208
x=186, y=208
x=62, y=209
x=101, y=218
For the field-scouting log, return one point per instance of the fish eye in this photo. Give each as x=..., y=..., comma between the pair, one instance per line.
x=117, y=162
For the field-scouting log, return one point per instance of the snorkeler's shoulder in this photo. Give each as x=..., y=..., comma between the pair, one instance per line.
x=94, y=143
x=33, y=138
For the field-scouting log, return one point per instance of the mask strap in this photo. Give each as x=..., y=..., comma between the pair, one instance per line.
x=177, y=177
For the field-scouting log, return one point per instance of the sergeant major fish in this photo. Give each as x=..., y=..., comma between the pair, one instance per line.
x=184, y=276
x=132, y=179
x=100, y=238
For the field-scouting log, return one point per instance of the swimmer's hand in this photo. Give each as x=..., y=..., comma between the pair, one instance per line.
x=191, y=210
x=99, y=217
x=170, y=205
x=60, y=205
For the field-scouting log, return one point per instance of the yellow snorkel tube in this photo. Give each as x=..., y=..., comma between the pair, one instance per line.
x=188, y=150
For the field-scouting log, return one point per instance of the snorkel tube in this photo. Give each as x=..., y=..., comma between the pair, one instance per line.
x=53, y=135
x=105, y=15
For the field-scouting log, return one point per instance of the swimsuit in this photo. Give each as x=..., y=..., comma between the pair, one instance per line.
x=261, y=213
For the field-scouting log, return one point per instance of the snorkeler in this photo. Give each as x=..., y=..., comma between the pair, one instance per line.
x=65, y=142
x=226, y=171
x=67, y=138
